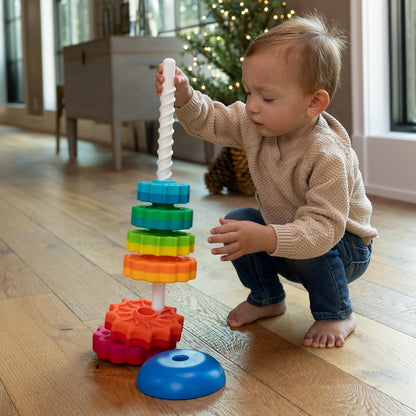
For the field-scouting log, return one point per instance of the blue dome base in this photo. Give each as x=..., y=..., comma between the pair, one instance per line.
x=180, y=374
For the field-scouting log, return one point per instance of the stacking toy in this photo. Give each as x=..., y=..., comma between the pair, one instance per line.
x=145, y=332
x=135, y=330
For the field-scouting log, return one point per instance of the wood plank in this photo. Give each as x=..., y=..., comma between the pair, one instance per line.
x=64, y=227
x=16, y=277
x=398, y=254
x=393, y=248
x=60, y=266
x=391, y=277
x=6, y=405
x=389, y=214
x=373, y=301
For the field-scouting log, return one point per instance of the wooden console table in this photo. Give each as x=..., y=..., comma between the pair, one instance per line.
x=111, y=80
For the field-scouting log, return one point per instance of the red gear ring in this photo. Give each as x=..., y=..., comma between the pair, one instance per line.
x=135, y=323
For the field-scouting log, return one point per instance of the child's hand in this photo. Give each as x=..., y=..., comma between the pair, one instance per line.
x=242, y=237
x=183, y=91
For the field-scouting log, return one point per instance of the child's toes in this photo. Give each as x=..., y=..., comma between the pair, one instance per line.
x=339, y=341
x=318, y=341
x=307, y=340
x=331, y=341
x=323, y=341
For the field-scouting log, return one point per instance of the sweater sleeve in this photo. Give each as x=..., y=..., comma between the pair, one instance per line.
x=213, y=121
x=320, y=222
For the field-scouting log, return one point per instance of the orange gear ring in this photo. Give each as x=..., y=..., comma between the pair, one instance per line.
x=159, y=268
x=135, y=323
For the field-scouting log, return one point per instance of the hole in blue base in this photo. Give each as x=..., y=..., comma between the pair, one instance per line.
x=180, y=358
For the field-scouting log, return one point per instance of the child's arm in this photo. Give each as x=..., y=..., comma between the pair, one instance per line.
x=242, y=237
x=183, y=91
x=206, y=118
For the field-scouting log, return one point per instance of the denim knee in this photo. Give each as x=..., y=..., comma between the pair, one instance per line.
x=245, y=214
x=326, y=277
x=357, y=256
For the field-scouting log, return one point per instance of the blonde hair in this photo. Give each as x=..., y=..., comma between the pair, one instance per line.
x=311, y=45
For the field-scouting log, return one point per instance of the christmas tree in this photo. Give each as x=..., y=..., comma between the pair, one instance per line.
x=217, y=52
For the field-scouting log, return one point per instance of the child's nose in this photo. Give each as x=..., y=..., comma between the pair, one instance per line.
x=251, y=105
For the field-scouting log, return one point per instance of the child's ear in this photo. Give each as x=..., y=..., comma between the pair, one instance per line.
x=319, y=103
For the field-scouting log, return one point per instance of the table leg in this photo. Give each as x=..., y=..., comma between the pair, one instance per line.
x=116, y=126
x=71, y=129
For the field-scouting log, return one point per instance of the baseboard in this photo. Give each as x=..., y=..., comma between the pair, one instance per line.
x=390, y=193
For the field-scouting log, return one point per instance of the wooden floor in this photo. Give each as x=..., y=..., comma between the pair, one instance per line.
x=62, y=241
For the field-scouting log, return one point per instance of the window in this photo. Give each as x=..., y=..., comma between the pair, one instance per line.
x=14, y=51
x=149, y=17
x=71, y=27
x=188, y=14
x=403, y=64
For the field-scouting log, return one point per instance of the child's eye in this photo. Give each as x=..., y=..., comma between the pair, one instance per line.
x=268, y=100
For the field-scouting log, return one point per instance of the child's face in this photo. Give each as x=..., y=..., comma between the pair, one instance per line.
x=276, y=102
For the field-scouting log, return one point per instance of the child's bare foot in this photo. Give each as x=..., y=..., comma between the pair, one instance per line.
x=329, y=334
x=245, y=313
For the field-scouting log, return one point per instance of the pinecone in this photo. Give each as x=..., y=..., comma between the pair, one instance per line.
x=220, y=173
x=242, y=174
x=230, y=170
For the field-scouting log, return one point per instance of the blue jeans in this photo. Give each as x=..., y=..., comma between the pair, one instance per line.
x=325, y=277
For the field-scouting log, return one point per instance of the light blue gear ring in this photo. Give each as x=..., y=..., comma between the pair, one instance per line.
x=163, y=192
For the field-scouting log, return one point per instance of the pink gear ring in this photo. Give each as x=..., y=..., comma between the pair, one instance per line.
x=117, y=352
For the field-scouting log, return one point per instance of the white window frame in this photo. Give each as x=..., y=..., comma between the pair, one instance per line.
x=48, y=55
x=387, y=158
x=410, y=59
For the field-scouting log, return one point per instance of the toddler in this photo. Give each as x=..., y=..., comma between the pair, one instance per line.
x=312, y=225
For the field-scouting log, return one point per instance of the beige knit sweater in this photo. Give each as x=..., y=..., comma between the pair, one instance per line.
x=312, y=196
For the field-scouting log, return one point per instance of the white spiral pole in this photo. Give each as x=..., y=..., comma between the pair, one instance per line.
x=164, y=153
x=167, y=100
